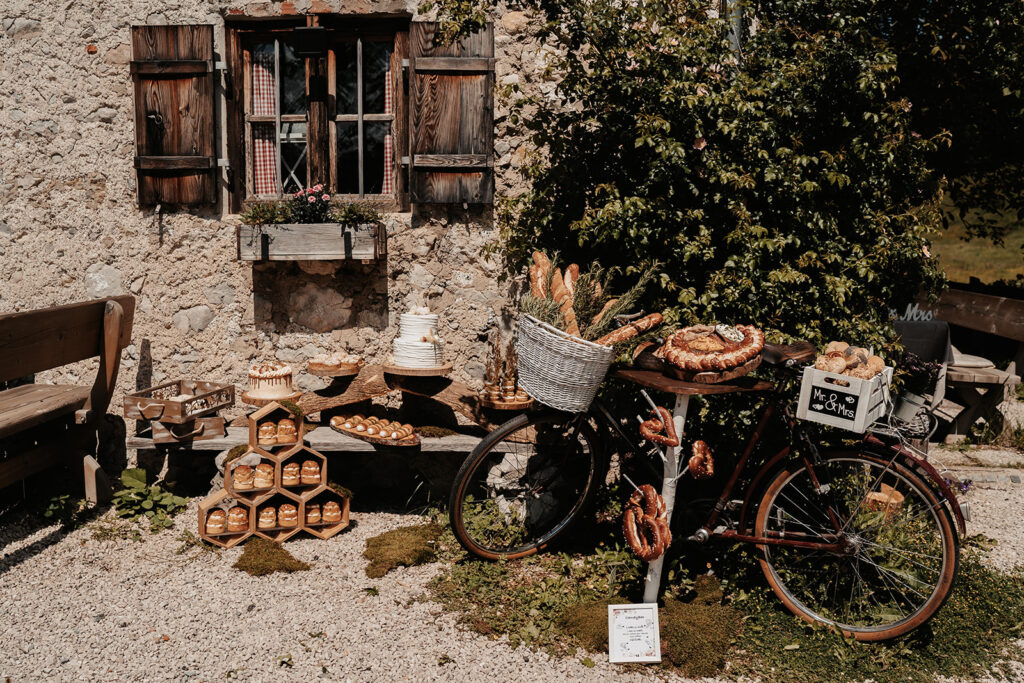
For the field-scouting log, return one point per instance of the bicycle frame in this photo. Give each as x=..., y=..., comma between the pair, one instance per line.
x=743, y=533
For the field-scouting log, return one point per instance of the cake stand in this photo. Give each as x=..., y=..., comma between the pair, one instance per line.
x=439, y=371
x=344, y=370
x=260, y=402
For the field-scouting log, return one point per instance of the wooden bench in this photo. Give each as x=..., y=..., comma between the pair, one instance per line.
x=981, y=390
x=41, y=424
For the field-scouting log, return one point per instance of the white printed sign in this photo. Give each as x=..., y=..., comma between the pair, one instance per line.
x=633, y=633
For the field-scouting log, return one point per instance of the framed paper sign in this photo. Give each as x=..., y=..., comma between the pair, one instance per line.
x=633, y=633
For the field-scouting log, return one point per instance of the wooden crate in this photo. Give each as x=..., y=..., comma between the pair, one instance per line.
x=200, y=429
x=842, y=401
x=223, y=500
x=311, y=242
x=275, y=412
x=156, y=403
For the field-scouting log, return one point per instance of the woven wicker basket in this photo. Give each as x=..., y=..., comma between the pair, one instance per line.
x=557, y=369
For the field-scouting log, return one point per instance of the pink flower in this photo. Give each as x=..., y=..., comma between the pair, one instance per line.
x=312, y=199
x=318, y=187
x=298, y=194
x=927, y=253
x=700, y=143
x=326, y=197
x=311, y=191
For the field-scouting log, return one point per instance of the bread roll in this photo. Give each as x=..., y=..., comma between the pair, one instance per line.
x=861, y=372
x=836, y=364
x=310, y=472
x=286, y=431
x=242, y=478
x=216, y=521
x=267, y=518
x=267, y=435
x=876, y=364
x=290, y=474
x=287, y=515
x=338, y=421
x=238, y=519
x=312, y=513
x=836, y=347
x=264, y=477
x=331, y=512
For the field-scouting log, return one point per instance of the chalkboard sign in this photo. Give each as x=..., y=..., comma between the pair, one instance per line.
x=833, y=401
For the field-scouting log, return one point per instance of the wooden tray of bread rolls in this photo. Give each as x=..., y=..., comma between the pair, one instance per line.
x=338, y=423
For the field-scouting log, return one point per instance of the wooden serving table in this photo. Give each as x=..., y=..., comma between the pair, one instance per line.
x=672, y=468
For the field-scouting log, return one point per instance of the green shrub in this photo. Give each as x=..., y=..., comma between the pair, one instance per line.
x=138, y=500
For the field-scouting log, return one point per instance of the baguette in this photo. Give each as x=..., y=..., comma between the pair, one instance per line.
x=597, y=318
x=572, y=274
x=558, y=291
x=543, y=263
x=537, y=284
x=620, y=335
x=648, y=322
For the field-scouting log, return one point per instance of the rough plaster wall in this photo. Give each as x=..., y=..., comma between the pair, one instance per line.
x=70, y=229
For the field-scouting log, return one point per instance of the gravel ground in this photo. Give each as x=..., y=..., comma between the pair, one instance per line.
x=79, y=609
x=75, y=608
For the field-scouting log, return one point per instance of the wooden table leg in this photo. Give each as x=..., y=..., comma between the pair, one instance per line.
x=671, y=469
x=977, y=404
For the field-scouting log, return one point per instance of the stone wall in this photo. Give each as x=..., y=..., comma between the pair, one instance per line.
x=70, y=228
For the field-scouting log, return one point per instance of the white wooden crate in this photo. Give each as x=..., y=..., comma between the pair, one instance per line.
x=853, y=407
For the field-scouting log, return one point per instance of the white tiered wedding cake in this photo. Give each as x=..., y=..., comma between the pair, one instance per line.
x=417, y=344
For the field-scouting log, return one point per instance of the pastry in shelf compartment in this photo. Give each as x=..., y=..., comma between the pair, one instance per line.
x=238, y=519
x=286, y=432
x=310, y=472
x=268, y=518
x=288, y=515
x=216, y=521
x=312, y=514
x=290, y=474
x=264, y=476
x=267, y=435
x=242, y=478
x=331, y=512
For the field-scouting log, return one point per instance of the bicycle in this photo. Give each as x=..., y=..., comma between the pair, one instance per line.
x=874, y=567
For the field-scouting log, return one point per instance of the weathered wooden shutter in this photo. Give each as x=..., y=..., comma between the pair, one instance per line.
x=175, y=161
x=451, y=117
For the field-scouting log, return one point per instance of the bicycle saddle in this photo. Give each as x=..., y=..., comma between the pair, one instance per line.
x=778, y=354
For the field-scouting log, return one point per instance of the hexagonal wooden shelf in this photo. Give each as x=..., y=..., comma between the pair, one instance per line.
x=224, y=501
x=253, y=493
x=274, y=412
x=301, y=455
x=320, y=496
x=276, y=499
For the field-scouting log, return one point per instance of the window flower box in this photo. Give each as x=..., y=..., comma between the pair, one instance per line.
x=311, y=242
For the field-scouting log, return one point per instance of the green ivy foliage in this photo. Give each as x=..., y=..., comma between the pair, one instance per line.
x=138, y=499
x=792, y=193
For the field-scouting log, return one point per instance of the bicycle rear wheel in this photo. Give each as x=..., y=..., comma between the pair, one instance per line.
x=525, y=485
x=899, y=549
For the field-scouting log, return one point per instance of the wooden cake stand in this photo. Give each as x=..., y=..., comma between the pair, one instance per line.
x=344, y=370
x=439, y=371
x=260, y=402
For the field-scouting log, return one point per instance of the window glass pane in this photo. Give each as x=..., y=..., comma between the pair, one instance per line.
x=376, y=157
x=348, y=157
x=345, y=66
x=376, y=64
x=293, y=156
x=263, y=87
x=293, y=81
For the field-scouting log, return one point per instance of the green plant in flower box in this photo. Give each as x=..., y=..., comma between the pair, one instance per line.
x=138, y=499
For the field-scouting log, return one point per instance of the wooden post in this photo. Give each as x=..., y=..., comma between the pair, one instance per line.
x=671, y=469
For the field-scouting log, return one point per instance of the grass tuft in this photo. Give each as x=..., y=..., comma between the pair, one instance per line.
x=434, y=432
x=235, y=453
x=261, y=557
x=405, y=547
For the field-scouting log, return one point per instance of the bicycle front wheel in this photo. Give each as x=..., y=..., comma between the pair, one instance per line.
x=525, y=485
x=899, y=551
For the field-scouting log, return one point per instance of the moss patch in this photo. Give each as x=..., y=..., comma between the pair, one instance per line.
x=235, y=453
x=261, y=557
x=293, y=408
x=696, y=636
x=587, y=623
x=434, y=432
x=340, y=490
x=405, y=547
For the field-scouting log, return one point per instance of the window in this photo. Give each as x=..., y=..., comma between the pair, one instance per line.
x=354, y=87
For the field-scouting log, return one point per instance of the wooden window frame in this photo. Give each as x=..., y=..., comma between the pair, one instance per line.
x=241, y=34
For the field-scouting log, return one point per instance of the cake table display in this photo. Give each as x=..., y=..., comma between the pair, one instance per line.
x=270, y=381
x=418, y=349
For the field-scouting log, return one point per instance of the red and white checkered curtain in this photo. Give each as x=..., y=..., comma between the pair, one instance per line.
x=264, y=92
x=388, y=186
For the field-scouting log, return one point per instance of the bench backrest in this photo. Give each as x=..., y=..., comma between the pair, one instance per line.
x=983, y=312
x=33, y=341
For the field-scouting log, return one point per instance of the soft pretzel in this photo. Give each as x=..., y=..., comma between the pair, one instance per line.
x=702, y=464
x=660, y=419
x=686, y=350
x=646, y=527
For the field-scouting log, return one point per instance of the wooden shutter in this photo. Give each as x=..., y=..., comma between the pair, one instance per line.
x=175, y=161
x=452, y=117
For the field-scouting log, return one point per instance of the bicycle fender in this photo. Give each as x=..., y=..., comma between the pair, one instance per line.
x=929, y=470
